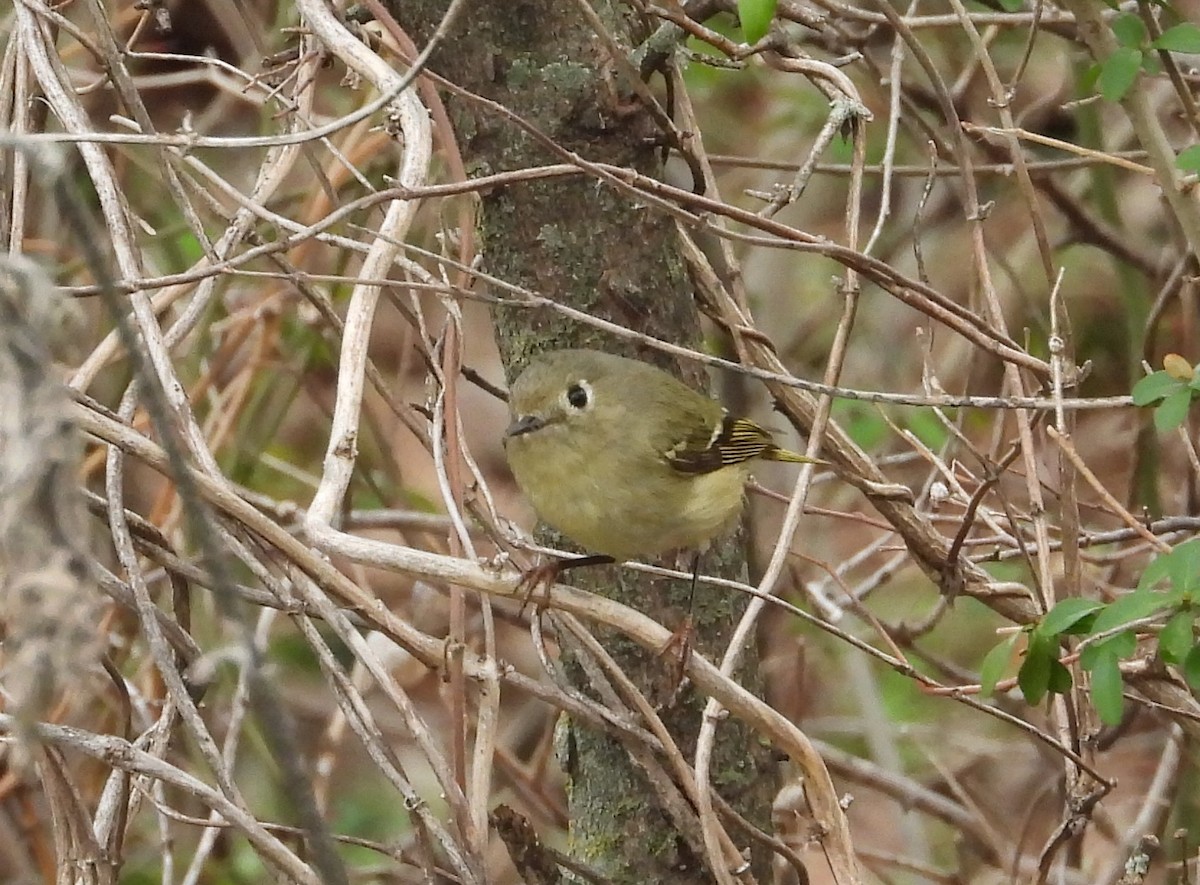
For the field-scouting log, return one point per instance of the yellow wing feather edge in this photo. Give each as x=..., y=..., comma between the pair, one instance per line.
x=734, y=441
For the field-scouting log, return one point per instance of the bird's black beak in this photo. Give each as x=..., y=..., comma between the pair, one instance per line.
x=524, y=424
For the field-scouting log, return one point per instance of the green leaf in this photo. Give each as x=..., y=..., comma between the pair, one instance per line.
x=1158, y=570
x=1173, y=410
x=1012, y=5
x=1183, y=566
x=1130, y=607
x=1189, y=159
x=1129, y=30
x=1118, y=73
x=996, y=663
x=1154, y=387
x=1181, y=38
x=1123, y=645
x=1060, y=678
x=1179, y=567
x=1175, y=640
x=1106, y=689
x=1067, y=615
x=1034, y=675
x=1191, y=668
x=756, y=16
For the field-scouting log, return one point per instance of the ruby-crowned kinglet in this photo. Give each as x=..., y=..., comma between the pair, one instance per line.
x=624, y=459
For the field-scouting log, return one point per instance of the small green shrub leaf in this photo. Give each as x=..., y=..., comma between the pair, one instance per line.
x=1034, y=675
x=1173, y=411
x=1159, y=570
x=996, y=663
x=1118, y=73
x=1181, y=38
x=1183, y=566
x=1129, y=30
x=1106, y=689
x=1066, y=616
x=1154, y=387
x=1130, y=607
x=1122, y=645
x=756, y=16
x=1060, y=678
x=1191, y=668
x=1189, y=159
x=1175, y=641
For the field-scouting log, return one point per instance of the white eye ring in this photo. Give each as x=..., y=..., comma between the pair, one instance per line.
x=578, y=396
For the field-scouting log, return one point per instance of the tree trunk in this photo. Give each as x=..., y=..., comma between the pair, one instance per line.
x=588, y=246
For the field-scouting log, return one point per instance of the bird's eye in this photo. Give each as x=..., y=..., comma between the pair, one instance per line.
x=577, y=395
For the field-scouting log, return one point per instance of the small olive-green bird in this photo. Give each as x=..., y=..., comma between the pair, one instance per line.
x=624, y=459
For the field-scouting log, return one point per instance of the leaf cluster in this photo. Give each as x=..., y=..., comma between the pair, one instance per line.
x=1162, y=609
x=1173, y=387
x=1115, y=76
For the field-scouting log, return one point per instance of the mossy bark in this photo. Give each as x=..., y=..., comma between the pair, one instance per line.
x=586, y=245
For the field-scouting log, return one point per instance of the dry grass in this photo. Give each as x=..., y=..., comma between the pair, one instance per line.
x=320, y=603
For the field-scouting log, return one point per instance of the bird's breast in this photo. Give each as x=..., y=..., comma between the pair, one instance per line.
x=607, y=504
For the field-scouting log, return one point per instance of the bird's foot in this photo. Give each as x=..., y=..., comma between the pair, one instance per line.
x=545, y=575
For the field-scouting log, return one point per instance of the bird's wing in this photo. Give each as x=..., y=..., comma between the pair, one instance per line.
x=708, y=448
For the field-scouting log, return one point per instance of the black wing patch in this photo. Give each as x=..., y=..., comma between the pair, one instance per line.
x=735, y=441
